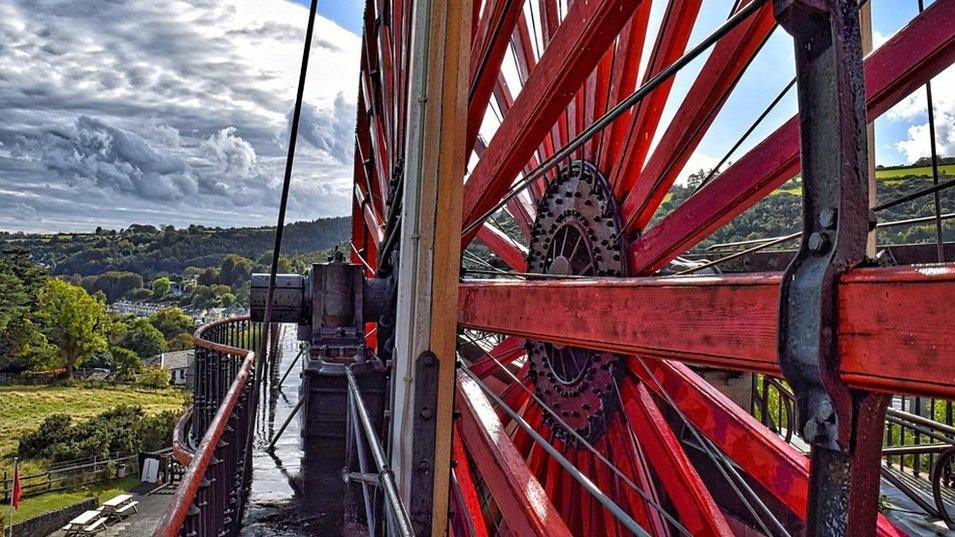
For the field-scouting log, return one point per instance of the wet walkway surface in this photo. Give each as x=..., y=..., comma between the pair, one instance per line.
x=276, y=503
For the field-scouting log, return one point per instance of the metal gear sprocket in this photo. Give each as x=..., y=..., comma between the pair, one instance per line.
x=577, y=232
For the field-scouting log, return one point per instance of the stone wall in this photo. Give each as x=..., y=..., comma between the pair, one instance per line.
x=47, y=523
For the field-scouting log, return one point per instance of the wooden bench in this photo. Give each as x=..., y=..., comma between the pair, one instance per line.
x=119, y=507
x=87, y=523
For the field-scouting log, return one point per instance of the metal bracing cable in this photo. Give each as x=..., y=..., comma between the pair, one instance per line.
x=619, y=473
x=531, y=275
x=722, y=463
x=283, y=201
x=930, y=105
x=771, y=241
x=915, y=195
x=759, y=119
x=622, y=107
x=762, y=246
x=568, y=466
x=475, y=259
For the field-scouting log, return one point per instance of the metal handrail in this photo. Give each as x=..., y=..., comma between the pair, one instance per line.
x=385, y=475
x=198, y=462
x=942, y=435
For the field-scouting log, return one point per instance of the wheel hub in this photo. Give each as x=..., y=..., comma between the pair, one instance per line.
x=576, y=233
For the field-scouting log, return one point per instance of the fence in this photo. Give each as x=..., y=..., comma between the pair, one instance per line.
x=71, y=475
x=214, y=439
x=918, y=443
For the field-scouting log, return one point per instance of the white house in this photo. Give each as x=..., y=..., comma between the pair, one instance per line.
x=180, y=364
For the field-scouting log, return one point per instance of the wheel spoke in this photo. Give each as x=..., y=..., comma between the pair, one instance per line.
x=713, y=84
x=487, y=53
x=590, y=27
x=774, y=464
x=632, y=463
x=503, y=246
x=914, y=55
x=462, y=473
x=680, y=480
x=516, y=491
x=624, y=81
x=675, y=28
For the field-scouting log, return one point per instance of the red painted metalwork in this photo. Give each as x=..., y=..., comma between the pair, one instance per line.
x=683, y=485
x=198, y=463
x=715, y=81
x=503, y=246
x=471, y=502
x=624, y=81
x=913, y=56
x=768, y=459
x=504, y=352
x=523, y=503
x=487, y=52
x=590, y=27
x=730, y=321
x=675, y=28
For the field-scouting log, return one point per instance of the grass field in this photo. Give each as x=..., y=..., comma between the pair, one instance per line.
x=23, y=408
x=893, y=173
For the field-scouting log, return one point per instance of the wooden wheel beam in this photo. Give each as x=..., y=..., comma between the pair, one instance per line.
x=888, y=321
x=918, y=52
x=520, y=497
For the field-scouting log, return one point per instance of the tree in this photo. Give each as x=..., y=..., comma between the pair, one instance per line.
x=72, y=320
x=114, y=283
x=143, y=338
x=209, y=276
x=22, y=346
x=126, y=363
x=172, y=321
x=235, y=270
x=161, y=286
x=180, y=342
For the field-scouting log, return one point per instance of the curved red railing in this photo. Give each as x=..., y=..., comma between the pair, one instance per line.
x=210, y=499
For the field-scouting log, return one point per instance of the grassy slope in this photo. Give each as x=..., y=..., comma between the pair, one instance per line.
x=944, y=169
x=23, y=408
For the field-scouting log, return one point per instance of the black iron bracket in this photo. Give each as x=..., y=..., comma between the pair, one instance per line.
x=843, y=426
x=835, y=210
x=423, y=447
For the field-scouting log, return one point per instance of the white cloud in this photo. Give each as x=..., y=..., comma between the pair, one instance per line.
x=913, y=110
x=169, y=111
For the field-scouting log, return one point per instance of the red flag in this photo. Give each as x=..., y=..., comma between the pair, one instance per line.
x=17, y=490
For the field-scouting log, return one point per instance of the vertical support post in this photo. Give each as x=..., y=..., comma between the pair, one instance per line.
x=430, y=246
x=843, y=426
x=865, y=23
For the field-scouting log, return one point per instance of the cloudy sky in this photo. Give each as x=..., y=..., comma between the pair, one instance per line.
x=169, y=111
x=177, y=111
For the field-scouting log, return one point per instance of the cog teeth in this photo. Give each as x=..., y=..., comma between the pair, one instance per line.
x=578, y=200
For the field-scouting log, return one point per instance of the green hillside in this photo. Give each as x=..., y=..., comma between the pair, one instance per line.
x=148, y=251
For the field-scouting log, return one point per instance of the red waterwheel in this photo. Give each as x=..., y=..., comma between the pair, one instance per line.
x=593, y=333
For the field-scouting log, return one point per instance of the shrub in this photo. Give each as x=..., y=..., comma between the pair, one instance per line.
x=153, y=377
x=123, y=429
